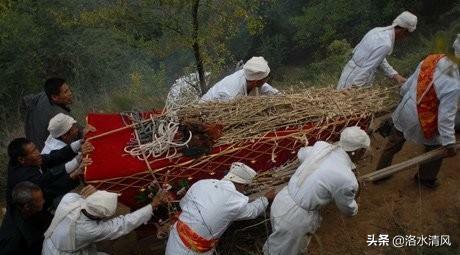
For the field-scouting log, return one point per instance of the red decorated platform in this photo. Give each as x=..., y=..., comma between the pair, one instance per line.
x=114, y=170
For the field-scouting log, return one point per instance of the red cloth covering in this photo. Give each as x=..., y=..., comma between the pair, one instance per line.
x=116, y=171
x=428, y=105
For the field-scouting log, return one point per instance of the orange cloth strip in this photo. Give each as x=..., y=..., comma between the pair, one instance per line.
x=192, y=240
x=427, y=108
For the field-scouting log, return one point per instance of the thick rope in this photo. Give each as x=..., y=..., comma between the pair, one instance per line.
x=155, y=138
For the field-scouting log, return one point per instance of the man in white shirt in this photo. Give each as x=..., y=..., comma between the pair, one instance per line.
x=82, y=220
x=63, y=130
x=252, y=80
x=208, y=209
x=370, y=54
x=324, y=175
x=426, y=113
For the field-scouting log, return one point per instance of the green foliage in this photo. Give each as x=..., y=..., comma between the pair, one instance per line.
x=21, y=60
x=327, y=70
x=324, y=21
x=120, y=54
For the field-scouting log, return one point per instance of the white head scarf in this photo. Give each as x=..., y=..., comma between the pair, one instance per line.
x=101, y=204
x=240, y=173
x=351, y=139
x=256, y=69
x=406, y=20
x=354, y=138
x=60, y=124
x=456, y=46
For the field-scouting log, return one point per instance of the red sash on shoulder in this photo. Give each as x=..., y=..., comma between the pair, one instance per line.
x=427, y=100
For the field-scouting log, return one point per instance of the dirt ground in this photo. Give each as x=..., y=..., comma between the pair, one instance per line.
x=398, y=206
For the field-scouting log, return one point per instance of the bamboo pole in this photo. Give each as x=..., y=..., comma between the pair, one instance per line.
x=120, y=129
x=388, y=171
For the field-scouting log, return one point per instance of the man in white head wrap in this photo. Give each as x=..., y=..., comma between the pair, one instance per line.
x=325, y=174
x=82, y=220
x=371, y=52
x=208, y=209
x=63, y=130
x=426, y=113
x=251, y=80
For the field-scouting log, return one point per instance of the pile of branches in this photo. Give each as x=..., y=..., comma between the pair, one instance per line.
x=252, y=117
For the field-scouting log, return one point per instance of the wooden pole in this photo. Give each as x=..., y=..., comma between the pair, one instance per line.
x=120, y=129
x=387, y=171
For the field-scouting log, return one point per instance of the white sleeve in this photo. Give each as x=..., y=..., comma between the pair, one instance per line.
x=446, y=117
x=73, y=164
x=376, y=58
x=387, y=69
x=222, y=96
x=345, y=200
x=76, y=145
x=69, y=198
x=304, y=152
x=121, y=225
x=215, y=96
x=253, y=209
x=268, y=90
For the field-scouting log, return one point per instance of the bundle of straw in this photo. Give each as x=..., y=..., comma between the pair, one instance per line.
x=251, y=117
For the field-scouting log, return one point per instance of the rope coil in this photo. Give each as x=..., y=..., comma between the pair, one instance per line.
x=157, y=137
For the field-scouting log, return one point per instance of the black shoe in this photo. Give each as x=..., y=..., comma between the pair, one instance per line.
x=432, y=184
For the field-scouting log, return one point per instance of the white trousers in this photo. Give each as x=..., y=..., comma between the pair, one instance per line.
x=292, y=226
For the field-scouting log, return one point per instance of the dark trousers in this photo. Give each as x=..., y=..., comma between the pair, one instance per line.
x=395, y=141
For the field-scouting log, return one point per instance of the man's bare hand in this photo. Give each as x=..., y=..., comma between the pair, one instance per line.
x=85, y=162
x=88, y=128
x=270, y=194
x=76, y=173
x=86, y=148
x=346, y=92
x=87, y=191
x=162, y=197
x=399, y=79
x=449, y=151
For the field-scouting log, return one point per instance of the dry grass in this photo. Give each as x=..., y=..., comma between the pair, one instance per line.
x=251, y=117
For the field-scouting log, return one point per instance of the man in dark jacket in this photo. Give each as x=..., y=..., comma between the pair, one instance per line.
x=25, y=222
x=40, y=108
x=55, y=173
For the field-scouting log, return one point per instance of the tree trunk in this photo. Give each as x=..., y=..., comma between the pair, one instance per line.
x=196, y=47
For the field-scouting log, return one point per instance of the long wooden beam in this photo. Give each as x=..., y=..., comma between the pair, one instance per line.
x=387, y=171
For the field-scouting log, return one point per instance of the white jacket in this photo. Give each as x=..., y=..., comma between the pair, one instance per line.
x=369, y=55
x=88, y=231
x=333, y=180
x=209, y=207
x=447, y=86
x=234, y=86
x=52, y=144
x=295, y=210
